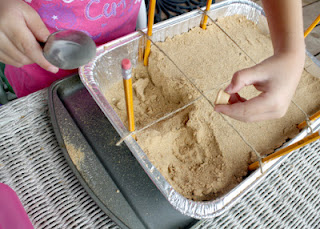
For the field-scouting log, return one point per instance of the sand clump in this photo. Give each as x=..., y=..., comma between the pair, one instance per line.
x=76, y=154
x=197, y=152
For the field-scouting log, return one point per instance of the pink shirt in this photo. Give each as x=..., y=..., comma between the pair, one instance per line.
x=103, y=20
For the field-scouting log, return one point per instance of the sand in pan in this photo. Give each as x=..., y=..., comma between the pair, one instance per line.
x=198, y=153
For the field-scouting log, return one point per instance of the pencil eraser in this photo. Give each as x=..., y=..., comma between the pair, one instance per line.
x=126, y=64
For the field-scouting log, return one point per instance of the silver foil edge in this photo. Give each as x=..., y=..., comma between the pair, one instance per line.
x=161, y=31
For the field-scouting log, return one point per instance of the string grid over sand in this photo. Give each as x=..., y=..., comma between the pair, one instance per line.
x=197, y=152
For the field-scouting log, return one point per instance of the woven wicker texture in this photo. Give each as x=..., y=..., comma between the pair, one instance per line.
x=32, y=163
x=289, y=197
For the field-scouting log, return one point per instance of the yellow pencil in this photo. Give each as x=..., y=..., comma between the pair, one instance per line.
x=205, y=18
x=311, y=27
x=152, y=7
x=311, y=138
x=312, y=118
x=306, y=33
x=127, y=83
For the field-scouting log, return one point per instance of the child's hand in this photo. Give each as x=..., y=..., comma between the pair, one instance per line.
x=20, y=29
x=276, y=77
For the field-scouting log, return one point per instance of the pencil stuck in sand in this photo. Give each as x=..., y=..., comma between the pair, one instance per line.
x=152, y=7
x=205, y=17
x=127, y=83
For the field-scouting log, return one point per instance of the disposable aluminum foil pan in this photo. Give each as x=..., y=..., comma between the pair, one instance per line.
x=104, y=70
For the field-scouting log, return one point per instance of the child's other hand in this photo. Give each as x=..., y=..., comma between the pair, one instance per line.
x=276, y=77
x=20, y=29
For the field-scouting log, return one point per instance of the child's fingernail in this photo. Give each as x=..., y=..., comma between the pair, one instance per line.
x=53, y=69
x=228, y=89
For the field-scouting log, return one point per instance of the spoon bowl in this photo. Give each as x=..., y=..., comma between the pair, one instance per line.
x=69, y=49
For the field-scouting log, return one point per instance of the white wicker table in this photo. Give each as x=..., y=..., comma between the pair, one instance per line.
x=32, y=163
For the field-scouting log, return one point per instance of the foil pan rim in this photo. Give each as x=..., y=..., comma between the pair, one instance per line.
x=195, y=209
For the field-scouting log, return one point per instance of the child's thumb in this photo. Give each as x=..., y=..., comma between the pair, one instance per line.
x=241, y=79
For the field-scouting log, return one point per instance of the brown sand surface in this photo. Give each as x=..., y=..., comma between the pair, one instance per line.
x=199, y=154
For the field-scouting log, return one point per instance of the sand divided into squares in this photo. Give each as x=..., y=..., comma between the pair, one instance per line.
x=196, y=151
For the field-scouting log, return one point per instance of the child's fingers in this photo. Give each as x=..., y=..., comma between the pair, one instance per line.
x=236, y=98
x=10, y=53
x=25, y=41
x=4, y=58
x=15, y=24
x=36, y=25
x=256, y=109
x=241, y=79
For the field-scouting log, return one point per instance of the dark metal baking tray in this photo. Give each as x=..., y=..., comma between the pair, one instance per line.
x=110, y=174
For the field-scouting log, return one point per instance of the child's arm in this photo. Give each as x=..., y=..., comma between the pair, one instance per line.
x=276, y=77
x=20, y=28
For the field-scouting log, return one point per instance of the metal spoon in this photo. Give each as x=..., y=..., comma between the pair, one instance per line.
x=69, y=49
